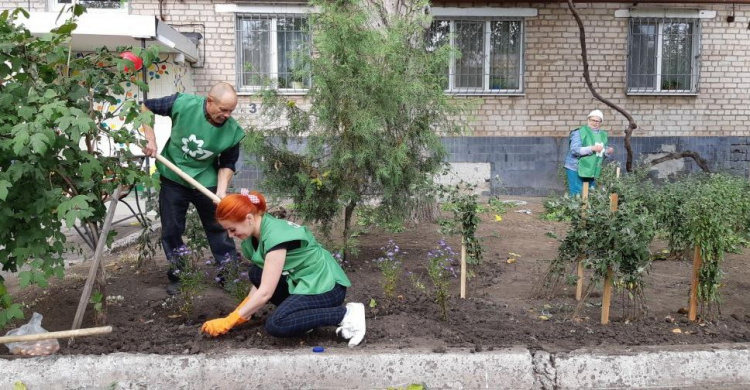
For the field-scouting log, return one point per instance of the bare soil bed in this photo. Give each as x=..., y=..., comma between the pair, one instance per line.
x=500, y=310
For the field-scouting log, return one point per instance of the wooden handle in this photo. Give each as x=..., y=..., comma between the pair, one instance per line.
x=56, y=335
x=188, y=179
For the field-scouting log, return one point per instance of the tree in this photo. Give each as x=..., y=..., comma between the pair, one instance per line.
x=50, y=170
x=377, y=107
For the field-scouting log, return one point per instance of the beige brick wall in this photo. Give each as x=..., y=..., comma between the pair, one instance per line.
x=556, y=98
x=29, y=5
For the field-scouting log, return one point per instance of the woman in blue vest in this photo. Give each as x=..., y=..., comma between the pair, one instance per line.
x=289, y=269
x=588, y=148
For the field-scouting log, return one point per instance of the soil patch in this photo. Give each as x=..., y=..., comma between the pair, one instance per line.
x=499, y=311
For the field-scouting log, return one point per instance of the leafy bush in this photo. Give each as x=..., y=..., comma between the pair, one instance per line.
x=48, y=100
x=604, y=240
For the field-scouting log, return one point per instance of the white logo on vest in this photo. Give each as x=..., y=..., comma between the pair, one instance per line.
x=194, y=147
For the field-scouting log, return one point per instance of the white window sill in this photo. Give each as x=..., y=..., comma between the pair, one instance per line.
x=283, y=93
x=485, y=93
x=661, y=93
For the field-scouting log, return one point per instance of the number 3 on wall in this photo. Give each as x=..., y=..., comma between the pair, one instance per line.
x=253, y=108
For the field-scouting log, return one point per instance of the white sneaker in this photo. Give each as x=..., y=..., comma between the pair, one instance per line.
x=353, y=327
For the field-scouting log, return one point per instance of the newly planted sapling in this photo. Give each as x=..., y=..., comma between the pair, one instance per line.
x=463, y=202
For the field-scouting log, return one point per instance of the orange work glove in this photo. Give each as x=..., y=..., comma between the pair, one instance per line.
x=221, y=326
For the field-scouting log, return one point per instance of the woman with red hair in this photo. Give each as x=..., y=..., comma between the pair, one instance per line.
x=289, y=269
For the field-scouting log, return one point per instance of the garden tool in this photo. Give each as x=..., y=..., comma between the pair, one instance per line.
x=188, y=179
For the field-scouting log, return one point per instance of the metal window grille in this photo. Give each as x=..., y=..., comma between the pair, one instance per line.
x=663, y=55
x=491, y=54
x=272, y=51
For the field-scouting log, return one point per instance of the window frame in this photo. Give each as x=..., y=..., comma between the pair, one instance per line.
x=272, y=14
x=486, y=88
x=663, y=15
x=488, y=15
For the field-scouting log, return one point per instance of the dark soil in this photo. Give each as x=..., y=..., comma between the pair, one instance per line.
x=499, y=311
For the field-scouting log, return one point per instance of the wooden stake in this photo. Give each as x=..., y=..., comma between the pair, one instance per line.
x=463, y=269
x=579, y=261
x=56, y=335
x=697, y=262
x=607, y=291
x=97, y=263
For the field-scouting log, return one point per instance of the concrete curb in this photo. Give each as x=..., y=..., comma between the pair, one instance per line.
x=260, y=369
x=685, y=367
x=713, y=366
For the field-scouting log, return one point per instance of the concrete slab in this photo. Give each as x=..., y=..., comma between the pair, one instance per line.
x=720, y=366
x=259, y=369
x=677, y=367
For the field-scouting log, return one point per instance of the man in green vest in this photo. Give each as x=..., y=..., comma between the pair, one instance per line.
x=587, y=149
x=205, y=143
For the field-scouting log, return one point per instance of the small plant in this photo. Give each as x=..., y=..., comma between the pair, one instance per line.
x=192, y=279
x=390, y=266
x=556, y=208
x=233, y=273
x=440, y=268
x=146, y=242
x=194, y=232
x=97, y=299
x=416, y=280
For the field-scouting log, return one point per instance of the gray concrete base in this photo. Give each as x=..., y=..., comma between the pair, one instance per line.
x=718, y=366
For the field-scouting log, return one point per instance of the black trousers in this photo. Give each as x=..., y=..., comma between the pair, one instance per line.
x=174, y=200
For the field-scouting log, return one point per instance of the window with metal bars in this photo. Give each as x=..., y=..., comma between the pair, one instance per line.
x=663, y=55
x=272, y=51
x=491, y=54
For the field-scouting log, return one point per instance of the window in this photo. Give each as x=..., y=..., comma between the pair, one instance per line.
x=272, y=52
x=56, y=5
x=491, y=54
x=663, y=55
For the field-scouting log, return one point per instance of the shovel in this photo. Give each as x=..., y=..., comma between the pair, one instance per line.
x=188, y=179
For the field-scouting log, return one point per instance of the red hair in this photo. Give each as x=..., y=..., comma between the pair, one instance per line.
x=236, y=207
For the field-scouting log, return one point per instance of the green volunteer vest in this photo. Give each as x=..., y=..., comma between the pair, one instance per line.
x=195, y=143
x=310, y=269
x=591, y=165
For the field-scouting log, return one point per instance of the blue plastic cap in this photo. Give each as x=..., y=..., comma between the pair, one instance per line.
x=318, y=349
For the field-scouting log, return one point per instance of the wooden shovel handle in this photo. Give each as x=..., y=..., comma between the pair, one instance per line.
x=188, y=179
x=56, y=335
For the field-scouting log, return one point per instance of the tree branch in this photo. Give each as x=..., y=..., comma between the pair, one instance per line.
x=688, y=153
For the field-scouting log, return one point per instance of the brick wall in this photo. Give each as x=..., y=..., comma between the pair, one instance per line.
x=524, y=137
x=556, y=98
x=29, y=5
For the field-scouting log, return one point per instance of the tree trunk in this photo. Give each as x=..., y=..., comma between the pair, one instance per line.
x=348, y=213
